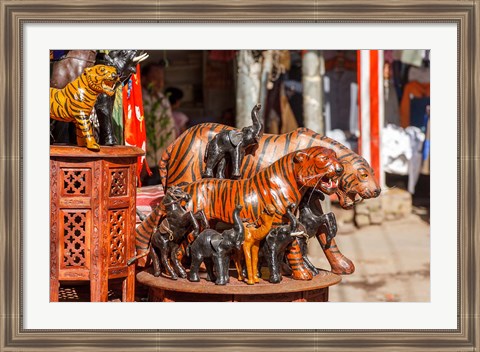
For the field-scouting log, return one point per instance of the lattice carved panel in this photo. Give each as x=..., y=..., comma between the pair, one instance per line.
x=74, y=239
x=119, y=182
x=75, y=182
x=118, y=228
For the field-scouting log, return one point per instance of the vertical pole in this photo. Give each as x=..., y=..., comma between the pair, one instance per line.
x=248, y=86
x=381, y=114
x=371, y=107
x=266, y=71
x=312, y=92
x=312, y=66
x=374, y=113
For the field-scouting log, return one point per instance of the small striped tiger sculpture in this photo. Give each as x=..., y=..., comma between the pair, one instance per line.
x=75, y=101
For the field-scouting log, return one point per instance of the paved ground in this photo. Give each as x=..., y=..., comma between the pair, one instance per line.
x=392, y=261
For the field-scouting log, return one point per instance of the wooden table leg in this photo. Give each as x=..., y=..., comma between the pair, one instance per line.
x=54, y=289
x=128, y=285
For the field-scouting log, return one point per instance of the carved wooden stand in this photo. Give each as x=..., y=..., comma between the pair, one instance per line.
x=162, y=289
x=92, y=203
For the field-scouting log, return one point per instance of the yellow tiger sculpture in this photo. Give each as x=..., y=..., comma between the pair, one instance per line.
x=75, y=102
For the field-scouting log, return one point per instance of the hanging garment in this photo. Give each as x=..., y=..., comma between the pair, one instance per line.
x=426, y=151
x=417, y=137
x=418, y=107
x=396, y=151
x=413, y=57
x=392, y=112
x=402, y=152
x=117, y=115
x=411, y=90
x=419, y=74
x=337, y=100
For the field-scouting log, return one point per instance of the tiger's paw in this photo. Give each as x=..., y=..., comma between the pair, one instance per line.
x=90, y=143
x=342, y=266
x=93, y=146
x=302, y=274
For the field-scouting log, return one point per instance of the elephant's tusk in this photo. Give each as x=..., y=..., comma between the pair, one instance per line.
x=140, y=58
x=297, y=234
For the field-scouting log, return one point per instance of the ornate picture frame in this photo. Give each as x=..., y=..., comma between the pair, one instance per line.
x=15, y=14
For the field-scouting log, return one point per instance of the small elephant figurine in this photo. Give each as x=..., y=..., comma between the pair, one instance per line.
x=214, y=249
x=275, y=244
x=231, y=145
x=315, y=223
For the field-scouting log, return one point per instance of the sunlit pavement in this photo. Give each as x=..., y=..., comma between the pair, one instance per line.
x=392, y=262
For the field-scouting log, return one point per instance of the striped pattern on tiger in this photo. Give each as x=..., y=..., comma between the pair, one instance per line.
x=280, y=184
x=183, y=162
x=76, y=100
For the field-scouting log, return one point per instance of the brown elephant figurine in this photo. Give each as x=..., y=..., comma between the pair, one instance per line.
x=251, y=245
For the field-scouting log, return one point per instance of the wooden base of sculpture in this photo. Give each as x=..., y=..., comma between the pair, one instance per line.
x=92, y=221
x=163, y=289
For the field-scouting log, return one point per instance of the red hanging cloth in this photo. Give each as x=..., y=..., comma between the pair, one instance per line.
x=134, y=120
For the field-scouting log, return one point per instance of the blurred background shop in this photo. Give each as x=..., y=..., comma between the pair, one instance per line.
x=376, y=102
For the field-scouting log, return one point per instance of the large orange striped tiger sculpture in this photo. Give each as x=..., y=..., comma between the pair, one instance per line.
x=75, y=101
x=182, y=162
x=281, y=184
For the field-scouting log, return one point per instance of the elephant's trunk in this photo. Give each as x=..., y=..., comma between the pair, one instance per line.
x=257, y=124
x=238, y=226
x=293, y=221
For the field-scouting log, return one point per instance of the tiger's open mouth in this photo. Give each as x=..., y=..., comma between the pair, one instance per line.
x=328, y=184
x=108, y=86
x=348, y=200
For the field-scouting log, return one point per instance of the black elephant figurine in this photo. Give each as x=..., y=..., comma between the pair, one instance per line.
x=272, y=249
x=172, y=231
x=311, y=216
x=231, y=145
x=214, y=249
x=125, y=61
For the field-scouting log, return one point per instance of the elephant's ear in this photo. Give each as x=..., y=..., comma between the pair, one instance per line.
x=235, y=137
x=215, y=242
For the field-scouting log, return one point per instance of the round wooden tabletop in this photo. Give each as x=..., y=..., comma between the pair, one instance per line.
x=234, y=287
